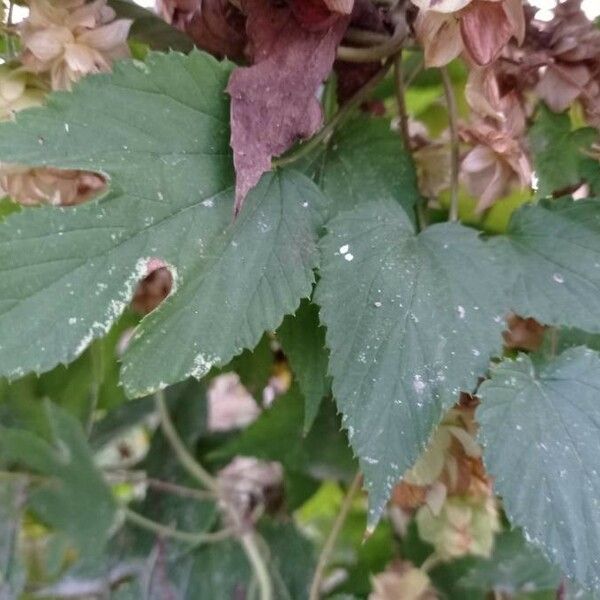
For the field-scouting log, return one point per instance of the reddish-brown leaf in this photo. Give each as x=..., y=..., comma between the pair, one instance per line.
x=216, y=26
x=273, y=102
x=313, y=15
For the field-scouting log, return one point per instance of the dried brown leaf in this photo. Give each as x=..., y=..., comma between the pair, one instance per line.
x=273, y=102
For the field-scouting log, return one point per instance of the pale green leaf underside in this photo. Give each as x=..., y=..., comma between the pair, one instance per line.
x=411, y=321
x=553, y=252
x=540, y=427
x=160, y=131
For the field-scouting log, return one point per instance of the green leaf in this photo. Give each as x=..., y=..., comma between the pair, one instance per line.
x=221, y=571
x=150, y=29
x=553, y=251
x=303, y=340
x=213, y=572
x=514, y=567
x=255, y=274
x=278, y=435
x=120, y=420
x=365, y=160
x=12, y=569
x=411, y=321
x=160, y=131
x=540, y=426
x=558, y=157
x=74, y=499
x=254, y=367
x=291, y=559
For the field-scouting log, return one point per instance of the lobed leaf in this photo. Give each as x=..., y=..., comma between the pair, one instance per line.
x=159, y=130
x=553, y=252
x=411, y=320
x=540, y=425
x=551, y=137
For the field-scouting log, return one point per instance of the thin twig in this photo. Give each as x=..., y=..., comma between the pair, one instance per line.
x=400, y=81
x=375, y=53
x=432, y=561
x=315, y=586
x=401, y=101
x=325, y=132
x=188, y=462
x=97, y=377
x=158, y=484
x=364, y=36
x=248, y=539
x=249, y=542
x=175, y=534
x=454, y=143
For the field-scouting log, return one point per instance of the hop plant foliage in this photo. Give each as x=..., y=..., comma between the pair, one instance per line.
x=281, y=278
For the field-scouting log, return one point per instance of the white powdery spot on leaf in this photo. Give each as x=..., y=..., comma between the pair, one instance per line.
x=117, y=305
x=203, y=363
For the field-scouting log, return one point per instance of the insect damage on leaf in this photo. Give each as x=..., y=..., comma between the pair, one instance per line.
x=274, y=101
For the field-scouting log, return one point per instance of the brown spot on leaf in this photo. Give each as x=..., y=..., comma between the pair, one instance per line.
x=273, y=102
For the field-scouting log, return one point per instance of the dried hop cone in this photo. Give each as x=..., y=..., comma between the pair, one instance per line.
x=465, y=525
x=402, y=581
x=31, y=186
x=72, y=38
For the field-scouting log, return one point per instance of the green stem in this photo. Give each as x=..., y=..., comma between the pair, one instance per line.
x=315, y=586
x=188, y=462
x=248, y=539
x=454, y=143
x=175, y=534
x=401, y=101
x=97, y=378
x=432, y=561
x=364, y=36
x=325, y=132
x=375, y=53
x=249, y=543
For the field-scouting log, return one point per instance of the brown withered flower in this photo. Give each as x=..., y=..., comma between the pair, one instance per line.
x=42, y=185
x=402, y=581
x=482, y=28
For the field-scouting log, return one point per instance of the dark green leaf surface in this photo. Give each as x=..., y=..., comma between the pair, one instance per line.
x=553, y=252
x=221, y=571
x=558, y=153
x=303, y=340
x=540, y=426
x=160, y=131
x=74, y=497
x=411, y=321
x=12, y=570
x=365, y=161
x=278, y=435
x=514, y=567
